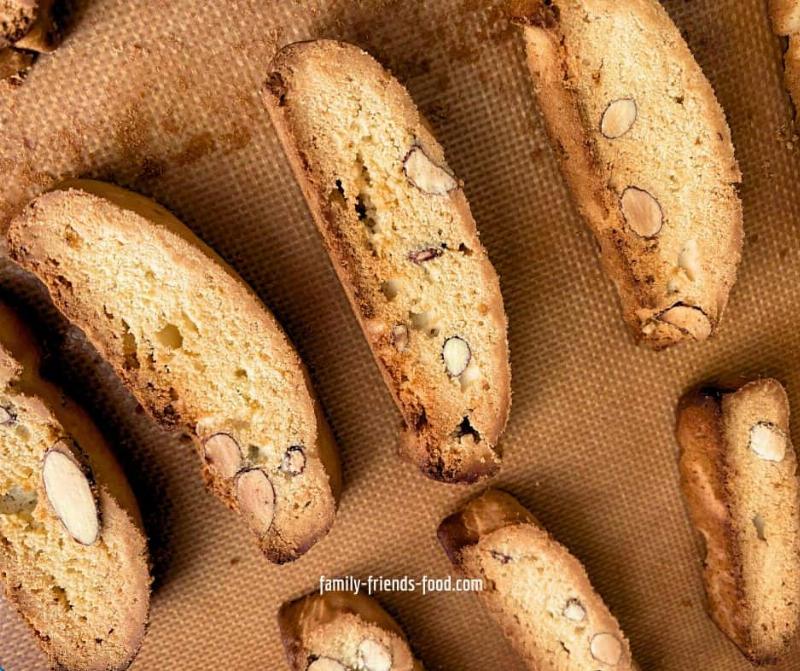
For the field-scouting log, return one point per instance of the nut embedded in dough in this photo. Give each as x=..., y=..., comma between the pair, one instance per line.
x=70, y=493
x=456, y=355
x=256, y=497
x=642, y=212
x=618, y=119
x=606, y=648
x=768, y=441
x=374, y=656
x=428, y=177
x=223, y=454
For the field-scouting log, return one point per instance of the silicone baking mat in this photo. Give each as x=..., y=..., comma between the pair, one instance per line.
x=162, y=96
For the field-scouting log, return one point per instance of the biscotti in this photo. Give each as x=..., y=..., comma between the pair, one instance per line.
x=785, y=15
x=401, y=237
x=73, y=555
x=534, y=588
x=739, y=477
x=340, y=631
x=196, y=347
x=26, y=28
x=647, y=152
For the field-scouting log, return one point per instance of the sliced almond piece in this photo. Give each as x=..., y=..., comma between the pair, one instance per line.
x=768, y=441
x=690, y=319
x=574, y=611
x=70, y=493
x=642, y=212
x=618, y=119
x=423, y=173
x=606, y=648
x=294, y=460
x=7, y=416
x=456, y=355
x=326, y=664
x=256, y=497
x=223, y=454
x=374, y=656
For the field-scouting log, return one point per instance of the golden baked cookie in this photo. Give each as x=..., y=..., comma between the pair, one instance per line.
x=196, y=347
x=401, y=237
x=647, y=152
x=536, y=591
x=739, y=478
x=73, y=554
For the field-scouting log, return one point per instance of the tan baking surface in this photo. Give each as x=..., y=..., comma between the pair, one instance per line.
x=162, y=96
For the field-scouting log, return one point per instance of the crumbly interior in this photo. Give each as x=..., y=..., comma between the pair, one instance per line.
x=765, y=513
x=677, y=149
x=410, y=260
x=542, y=599
x=82, y=600
x=194, y=343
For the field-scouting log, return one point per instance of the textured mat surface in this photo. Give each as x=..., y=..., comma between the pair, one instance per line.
x=162, y=96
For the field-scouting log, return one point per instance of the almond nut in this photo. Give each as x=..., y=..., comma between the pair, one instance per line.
x=428, y=177
x=294, y=460
x=420, y=256
x=326, y=664
x=70, y=492
x=456, y=355
x=642, y=212
x=502, y=557
x=223, y=454
x=7, y=416
x=374, y=656
x=574, y=611
x=618, y=118
x=768, y=441
x=689, y=260
x=400, y=337
x=256, y=498
x=606, y=648
x=688, y=319
x=758, y=523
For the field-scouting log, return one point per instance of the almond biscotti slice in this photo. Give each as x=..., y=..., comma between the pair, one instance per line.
x=196, y=347
x=739, y=478
x=341, y=631
x=401, y=237
x=647, y=152
x=785, y=15
x=73, y=555
x=534, y=588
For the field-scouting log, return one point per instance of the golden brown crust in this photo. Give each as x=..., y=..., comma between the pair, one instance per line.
x=103, y=202
x=720, y=479
x=431, y=437
x=642, y=270
x=119, y=513
x=312, y=622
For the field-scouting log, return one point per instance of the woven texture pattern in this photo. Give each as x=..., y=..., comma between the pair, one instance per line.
x=162, y=97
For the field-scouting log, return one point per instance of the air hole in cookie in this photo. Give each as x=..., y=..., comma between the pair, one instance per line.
x=72, y=238
x=241, y=373
x=129, y=348
x=466, y=429
x=466, y=251
x=336, y=195
x=253, y=452
x=361, y=208
x=170, y=337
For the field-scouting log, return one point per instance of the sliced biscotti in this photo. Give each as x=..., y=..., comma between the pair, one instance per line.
x=341, y=631
x=647, y=152
x=785, y=15
x=534, y=588
x=196, y=347
x=401, y=238
x=26, y=27
x=739, y=478
x=73, y=555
